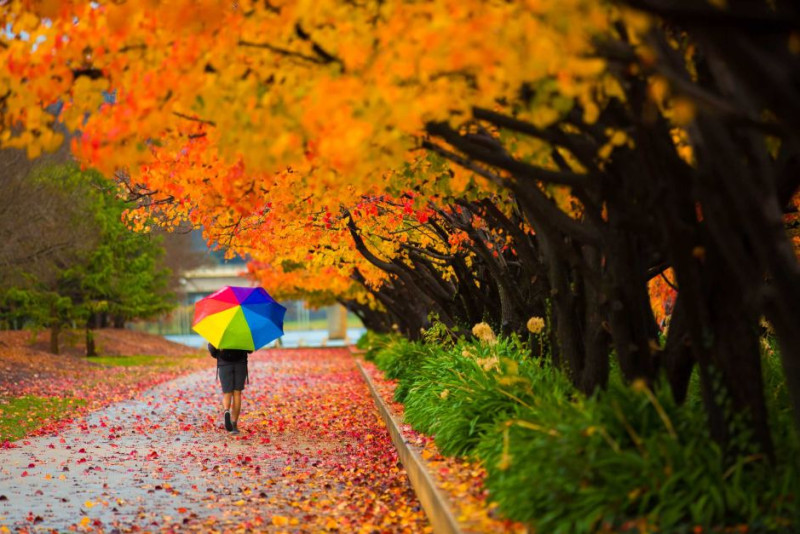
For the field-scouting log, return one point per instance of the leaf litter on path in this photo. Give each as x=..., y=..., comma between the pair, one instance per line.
x=313, y=456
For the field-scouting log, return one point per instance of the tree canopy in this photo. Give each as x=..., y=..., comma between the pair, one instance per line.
x=475, y=159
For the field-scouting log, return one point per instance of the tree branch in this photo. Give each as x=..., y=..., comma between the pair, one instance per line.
x=502, y=160
x=195, y=119
x=580, y=147
x=538, y=202
x=463, y=162
x=92, y=74
x=362, y=248
x=759, y=17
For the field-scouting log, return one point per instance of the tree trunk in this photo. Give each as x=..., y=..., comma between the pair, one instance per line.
x=91, y=350
x=729, y=357
x=55, y=331
x=596, y=340
x=677, y=358
x=567, y=318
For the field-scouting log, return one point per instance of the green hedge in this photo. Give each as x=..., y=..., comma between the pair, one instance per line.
x=563, y=462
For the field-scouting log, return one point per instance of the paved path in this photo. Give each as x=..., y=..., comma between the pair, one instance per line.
x=313, y=456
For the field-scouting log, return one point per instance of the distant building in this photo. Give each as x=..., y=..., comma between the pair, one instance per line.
x=216, y=272
x=201, y=282
x=219, y=272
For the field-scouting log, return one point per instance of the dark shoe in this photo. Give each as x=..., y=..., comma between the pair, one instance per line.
x=228, y=423
x=235, y=430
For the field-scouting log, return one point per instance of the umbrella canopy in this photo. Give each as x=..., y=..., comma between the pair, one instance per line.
x=239, y=318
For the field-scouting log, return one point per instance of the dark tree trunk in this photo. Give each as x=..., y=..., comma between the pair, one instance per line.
x=736, y=354
x=55, y=332
x=91, y=350
x=596, y=338
x=567, y=315
x=371, y=319
x=743, y=70
x=677, y=358
x=510, y=307
x=406, y=312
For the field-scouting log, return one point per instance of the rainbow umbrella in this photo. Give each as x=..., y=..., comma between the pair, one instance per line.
x=239, y=318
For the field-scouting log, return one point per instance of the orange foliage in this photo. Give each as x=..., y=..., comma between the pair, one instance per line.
x=254, y=122
x=662, y=296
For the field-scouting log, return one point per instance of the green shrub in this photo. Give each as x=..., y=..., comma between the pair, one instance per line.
x=565, y=463
x=630, y=452
x=364, y=342
x=400, y=361
x=458, y=392
x=373, y=343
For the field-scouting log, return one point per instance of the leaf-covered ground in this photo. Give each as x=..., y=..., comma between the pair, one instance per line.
x=460, y=480
x=313, y=456
x=39, y=390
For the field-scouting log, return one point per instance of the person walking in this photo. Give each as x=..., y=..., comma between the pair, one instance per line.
x=232, y=374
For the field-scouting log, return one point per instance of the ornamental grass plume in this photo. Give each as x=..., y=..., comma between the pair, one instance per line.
x=488, y=364
x=535, y=325
x=767, y=326
x=484, y=332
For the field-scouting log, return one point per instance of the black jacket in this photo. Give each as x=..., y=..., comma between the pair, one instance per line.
x=228, y=356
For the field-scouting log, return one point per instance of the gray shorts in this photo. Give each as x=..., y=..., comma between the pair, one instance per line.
x=232, y=376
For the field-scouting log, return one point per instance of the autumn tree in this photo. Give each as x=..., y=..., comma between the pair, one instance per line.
x=652, y=204
x=610, y=141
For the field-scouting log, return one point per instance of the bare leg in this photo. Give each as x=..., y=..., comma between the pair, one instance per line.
x=237, y=405
x=226, y=401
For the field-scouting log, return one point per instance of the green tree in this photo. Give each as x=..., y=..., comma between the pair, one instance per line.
x=115, y=276
x=123, y=277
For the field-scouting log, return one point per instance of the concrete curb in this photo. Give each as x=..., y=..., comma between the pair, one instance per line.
x=437, y=506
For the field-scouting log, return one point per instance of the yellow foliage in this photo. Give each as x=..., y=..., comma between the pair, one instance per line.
x=260, y=122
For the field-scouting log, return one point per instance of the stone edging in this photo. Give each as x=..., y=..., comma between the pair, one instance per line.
x=436, y=506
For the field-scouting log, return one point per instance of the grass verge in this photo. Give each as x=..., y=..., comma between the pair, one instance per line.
x=136, y=360
x=21, y=415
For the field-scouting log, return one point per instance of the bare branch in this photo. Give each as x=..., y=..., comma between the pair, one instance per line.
x=284, y=52
x=503, y=161
x=195, y=119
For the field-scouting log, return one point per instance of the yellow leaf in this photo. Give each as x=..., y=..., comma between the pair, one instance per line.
x=26, y=23
x=280, y=521
x=683, y=111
